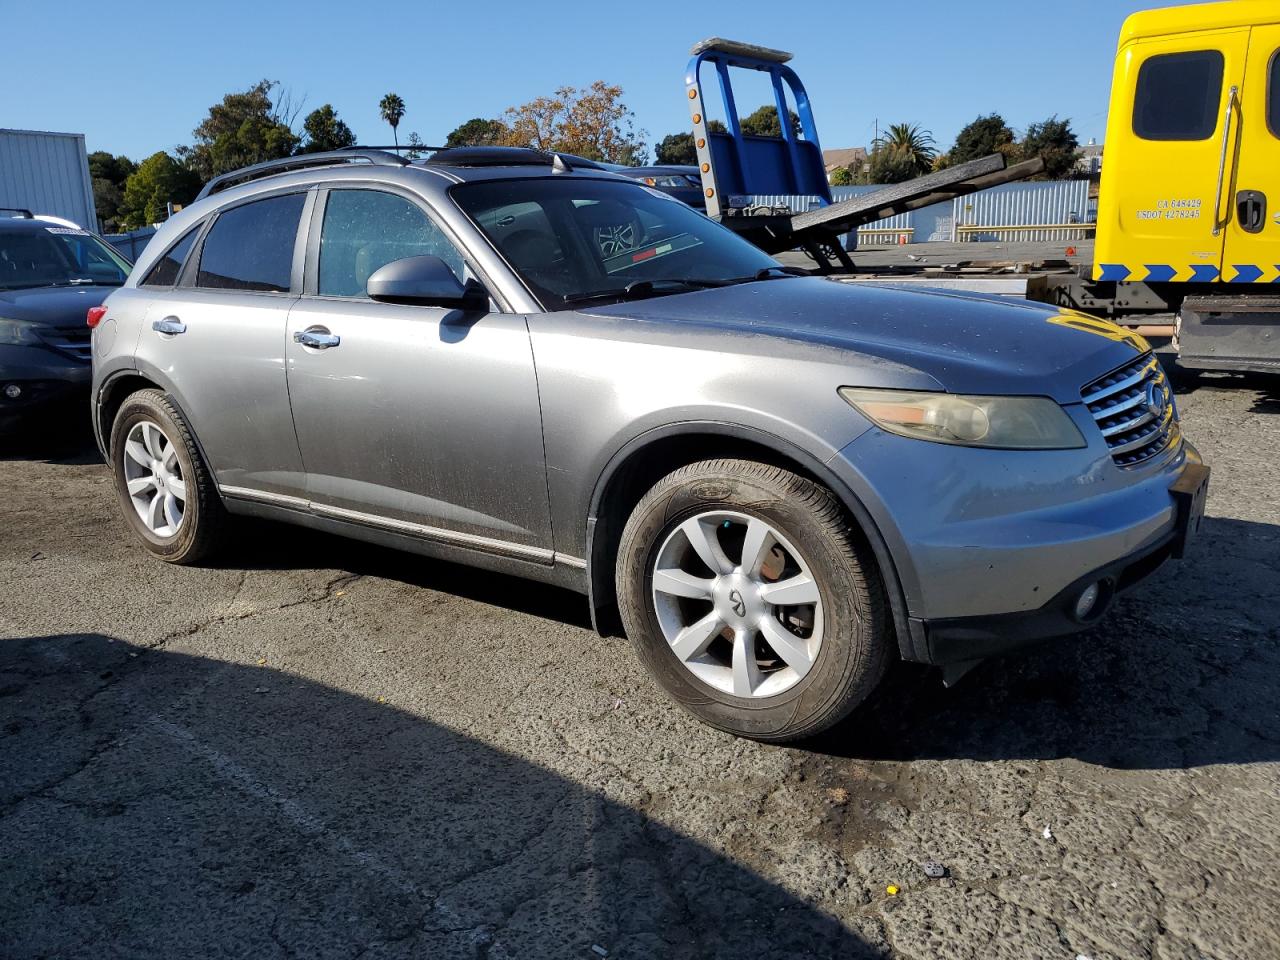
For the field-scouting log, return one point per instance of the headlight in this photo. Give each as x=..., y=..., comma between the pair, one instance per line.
x=18, y=333
x=669, y=181
x=1015, y=423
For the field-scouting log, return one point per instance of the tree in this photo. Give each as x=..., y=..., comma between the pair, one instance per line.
x=889, y=164
x=477, y=132
x=1054, y=141
x=981, y=138
x=109, y=174
x=159, y=180
x=415, y=145
x=325, y=131
x=392, y=109
x=592, y=122
x=909, y=139
x=244, y=128
x=764, y=123
x=840, y=177
x=677, y=149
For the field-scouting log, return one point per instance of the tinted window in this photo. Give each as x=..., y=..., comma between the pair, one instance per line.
x=1273, y=96
x=251, y=247
x=165, y=272
x=57, y=256
x=1178, y=96
x=366, y=229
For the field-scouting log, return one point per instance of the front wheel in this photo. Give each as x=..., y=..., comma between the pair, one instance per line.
x=750, y=597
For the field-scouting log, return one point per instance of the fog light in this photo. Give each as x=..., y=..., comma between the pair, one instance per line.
x=1087, y=601
x=12, y=391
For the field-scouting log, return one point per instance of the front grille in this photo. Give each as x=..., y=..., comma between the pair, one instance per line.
x=1134, y=409
x=74, y=342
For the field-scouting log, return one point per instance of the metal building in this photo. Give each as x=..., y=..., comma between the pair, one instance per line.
x=47, y=173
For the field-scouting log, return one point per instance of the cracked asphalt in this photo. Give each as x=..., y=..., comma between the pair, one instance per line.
x=323, y=749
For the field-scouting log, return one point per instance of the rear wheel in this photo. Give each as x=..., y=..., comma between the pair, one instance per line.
x=750, y=598
x=165, y=489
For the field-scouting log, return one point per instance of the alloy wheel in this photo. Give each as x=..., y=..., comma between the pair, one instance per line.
x=153, y=477
x=737, y=604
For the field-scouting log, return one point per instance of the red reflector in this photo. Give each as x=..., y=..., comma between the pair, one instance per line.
x=95, y=315
x=644, y=255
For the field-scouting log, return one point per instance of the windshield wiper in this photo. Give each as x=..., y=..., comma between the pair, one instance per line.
x=641, y=289
x=772, y=273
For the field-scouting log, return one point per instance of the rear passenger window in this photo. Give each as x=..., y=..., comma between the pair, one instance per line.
x=367, y=229
x=1178, y=96
x=1273, y=96
x=251, y=247
x=165, y=272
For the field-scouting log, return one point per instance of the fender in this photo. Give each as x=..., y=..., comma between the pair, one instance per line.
x=597, y=561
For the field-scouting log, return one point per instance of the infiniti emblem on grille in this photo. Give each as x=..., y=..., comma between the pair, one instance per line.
x=739, y=605
x=1157, y=398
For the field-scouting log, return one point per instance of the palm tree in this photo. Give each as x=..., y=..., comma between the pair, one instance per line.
x=392, y=108
x=910, y=140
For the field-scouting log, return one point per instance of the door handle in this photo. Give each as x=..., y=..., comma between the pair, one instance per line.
x=1251, y=210
x=317, y=338
x=169, y=326
x=1218, y=223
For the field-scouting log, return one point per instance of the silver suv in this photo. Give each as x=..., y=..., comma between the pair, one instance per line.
x=775, y=484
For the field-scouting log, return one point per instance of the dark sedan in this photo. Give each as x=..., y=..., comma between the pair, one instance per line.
x=683, y=183
x=50, y=275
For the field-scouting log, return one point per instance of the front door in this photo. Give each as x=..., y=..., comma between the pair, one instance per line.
x=1165, y=169
x=1253, y=237
x=416, y=419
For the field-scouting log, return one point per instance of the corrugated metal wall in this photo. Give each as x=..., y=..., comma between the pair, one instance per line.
x=131, y=244
x=47, y=173
x=1053, y=202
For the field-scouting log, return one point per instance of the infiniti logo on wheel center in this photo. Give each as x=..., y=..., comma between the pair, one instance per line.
x=739, y=605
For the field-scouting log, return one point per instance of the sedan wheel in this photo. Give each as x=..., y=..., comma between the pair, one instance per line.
x=153, y=478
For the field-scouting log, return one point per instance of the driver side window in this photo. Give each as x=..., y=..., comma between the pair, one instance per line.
x=367, y=229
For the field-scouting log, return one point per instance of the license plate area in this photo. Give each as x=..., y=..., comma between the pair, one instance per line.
x=1190, y=491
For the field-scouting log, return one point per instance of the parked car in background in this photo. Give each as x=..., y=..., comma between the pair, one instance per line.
x=683, y=183
x=779, y=483
x=51, y=273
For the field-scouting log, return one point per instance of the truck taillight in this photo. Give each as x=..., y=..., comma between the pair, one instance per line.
x=95, y=315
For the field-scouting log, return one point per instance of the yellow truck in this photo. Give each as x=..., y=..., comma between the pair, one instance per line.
x=1189, y=203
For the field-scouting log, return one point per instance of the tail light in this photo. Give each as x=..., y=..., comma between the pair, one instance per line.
x=95, y=315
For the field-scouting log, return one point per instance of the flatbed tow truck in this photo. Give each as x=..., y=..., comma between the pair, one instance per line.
x=1186, y=246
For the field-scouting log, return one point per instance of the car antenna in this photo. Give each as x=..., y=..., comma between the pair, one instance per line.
x=559, y=164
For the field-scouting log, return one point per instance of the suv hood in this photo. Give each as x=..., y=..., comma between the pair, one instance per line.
x=965, y=343
x=53, y=306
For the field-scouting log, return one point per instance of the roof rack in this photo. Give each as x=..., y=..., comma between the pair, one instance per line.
x=499, y=157
x=380, y=158
x=22, y=213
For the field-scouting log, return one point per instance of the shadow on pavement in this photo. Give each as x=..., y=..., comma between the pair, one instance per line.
x=163, y=805
x=63, y=436
x=1184, y=672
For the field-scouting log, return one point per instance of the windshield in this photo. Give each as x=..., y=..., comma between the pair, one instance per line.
x=578, y=239
x=56, y=257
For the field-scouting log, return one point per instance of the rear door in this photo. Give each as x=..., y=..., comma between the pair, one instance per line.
x=416, y=419
x=1253, y=237
x=217, y=335
x=1165, y=157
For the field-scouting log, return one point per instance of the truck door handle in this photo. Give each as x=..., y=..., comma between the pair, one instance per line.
x=169, y=326
x=317, y=338
x=1251, y=209
x=1218, y=223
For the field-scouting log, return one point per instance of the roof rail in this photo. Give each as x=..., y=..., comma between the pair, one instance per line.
x=22, y=212
x=270, y=168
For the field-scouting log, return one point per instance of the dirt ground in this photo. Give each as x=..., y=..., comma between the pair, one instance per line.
x=324, y=749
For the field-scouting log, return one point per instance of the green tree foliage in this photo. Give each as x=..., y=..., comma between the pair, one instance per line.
x=890, y=164
x=391, y=107
x=477, y=132
x=913, y=141
x=983, y=137
x=764, y=122
x=244, y=128
x=840, y=177
x=677, y=149
x=159, y=180
x=1055, y=142
x=109, y=174
x=324, y=130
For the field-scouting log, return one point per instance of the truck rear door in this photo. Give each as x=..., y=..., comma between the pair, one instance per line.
x=1165, y=157
x=1253, y=236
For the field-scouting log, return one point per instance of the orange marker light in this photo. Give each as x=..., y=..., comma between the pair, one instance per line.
x=693, y=94
x=697, y=118
x=701, y=143
x=706, y=167
x=710, y=192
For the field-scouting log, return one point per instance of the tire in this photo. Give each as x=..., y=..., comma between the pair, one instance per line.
x=849, y=619
x=204, y=520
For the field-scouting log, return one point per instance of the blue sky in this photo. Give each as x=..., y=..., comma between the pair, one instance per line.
x=137, y=77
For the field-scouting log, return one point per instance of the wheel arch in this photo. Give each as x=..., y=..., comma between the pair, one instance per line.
x=640, y=463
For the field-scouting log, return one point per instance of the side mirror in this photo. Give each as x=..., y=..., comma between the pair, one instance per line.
x=426, y=282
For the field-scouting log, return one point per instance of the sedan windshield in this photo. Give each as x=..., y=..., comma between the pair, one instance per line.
x=57, y=257
x=576, y=239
